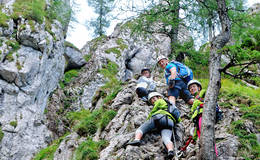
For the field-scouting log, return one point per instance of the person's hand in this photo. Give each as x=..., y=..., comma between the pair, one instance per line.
x=171, y=83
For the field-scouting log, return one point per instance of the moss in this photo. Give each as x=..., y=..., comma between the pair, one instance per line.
x=250, y=149
x=33, y=10
x=121, y=44
x=13, y=44
x=18, y=65
x=86, y=123
x=1, y=134
x=68, y=44
x=89, y=149
x=32, y=25
x=114, y=50
x=87, y=57
x=113, y=86
x=13, y=123
x=48, y=153
x=3, y=19
x=10, y=57
x=70, y=75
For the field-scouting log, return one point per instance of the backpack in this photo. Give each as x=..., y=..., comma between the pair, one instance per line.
x=183, y=72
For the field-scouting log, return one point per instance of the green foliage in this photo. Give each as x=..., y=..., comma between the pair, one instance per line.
x=89, y=150
x=87, y=57
x=48, y=153
x=86, y=122
x=114, y=50
x=59, y=10
x=250, y=148
x=3, y=20
x=18, y=65
x=1, y=134
x=37, y=10
x=248, y=100
x=13, y=123
x=121, y=44
x=30, y=9
x=10, y=57
x=68, y=77
x=113, y=86
x=68, y=44
x=102, y=9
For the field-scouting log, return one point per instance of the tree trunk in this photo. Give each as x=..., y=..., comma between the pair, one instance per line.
x=207, y=141
x=175, y=28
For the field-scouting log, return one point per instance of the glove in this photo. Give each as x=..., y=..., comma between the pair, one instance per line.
x=171, y=83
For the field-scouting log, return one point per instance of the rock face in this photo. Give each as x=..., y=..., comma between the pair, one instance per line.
x=74, y=57
x=31, y=65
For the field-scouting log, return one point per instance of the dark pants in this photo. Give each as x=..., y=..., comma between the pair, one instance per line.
x=142, y=92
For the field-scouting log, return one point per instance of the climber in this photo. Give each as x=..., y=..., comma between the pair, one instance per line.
x=177, y=81
x=163, y=117
x=196, y=90
x=145, y=84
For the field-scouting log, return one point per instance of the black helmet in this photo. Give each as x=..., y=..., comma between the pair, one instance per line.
x=145, y=69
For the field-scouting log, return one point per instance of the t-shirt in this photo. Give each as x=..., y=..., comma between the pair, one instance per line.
x=167, y=72
x=147, y=83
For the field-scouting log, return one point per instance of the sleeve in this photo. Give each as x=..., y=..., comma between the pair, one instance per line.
x=169, y=67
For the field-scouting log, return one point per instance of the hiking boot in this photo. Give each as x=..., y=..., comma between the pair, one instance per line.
x=170, y=154
x=134, y=143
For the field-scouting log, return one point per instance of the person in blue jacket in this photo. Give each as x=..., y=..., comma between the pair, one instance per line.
x=177, y=86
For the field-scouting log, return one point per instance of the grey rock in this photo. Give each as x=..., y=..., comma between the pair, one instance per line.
x=74, y=57
x=67, y=147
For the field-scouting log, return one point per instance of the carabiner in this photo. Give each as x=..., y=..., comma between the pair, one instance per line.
x=179, y=153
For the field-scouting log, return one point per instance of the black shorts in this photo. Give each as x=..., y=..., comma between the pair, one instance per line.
x=180, y=89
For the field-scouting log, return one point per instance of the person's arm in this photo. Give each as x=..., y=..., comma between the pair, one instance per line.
x=173, y=73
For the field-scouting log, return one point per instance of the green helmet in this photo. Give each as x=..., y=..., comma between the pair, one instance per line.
x=194, y=82
x=152, y=94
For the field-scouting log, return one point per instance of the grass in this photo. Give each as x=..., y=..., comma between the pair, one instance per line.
x=68, y=44
x=48, y=153
x=68, y=77
x=89, y=150
x=86, y=123
x=87, y=57
x=248, y=101
x=113, y=86
x=13, y=123
x=3, y=19
x=29, y=9
x=250, y=148
x=114, y=50
x=1, y=134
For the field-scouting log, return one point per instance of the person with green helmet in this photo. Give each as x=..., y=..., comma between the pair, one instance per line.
x=196, y=90
x=163, y=117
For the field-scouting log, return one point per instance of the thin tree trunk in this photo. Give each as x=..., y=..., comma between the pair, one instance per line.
x=207, y=141
x=175, y=28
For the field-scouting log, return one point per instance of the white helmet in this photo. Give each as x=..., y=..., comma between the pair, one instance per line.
x=152, y=94
x=194, y=82
x=161, y=57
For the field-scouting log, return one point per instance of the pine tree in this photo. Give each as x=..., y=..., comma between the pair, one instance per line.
x=102, y=9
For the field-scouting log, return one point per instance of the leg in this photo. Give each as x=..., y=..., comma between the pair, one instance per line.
x=173, y=94
x=186, y=95
x=144, y=128
x=166, y=137
x=199, y=131
x=172, y=99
